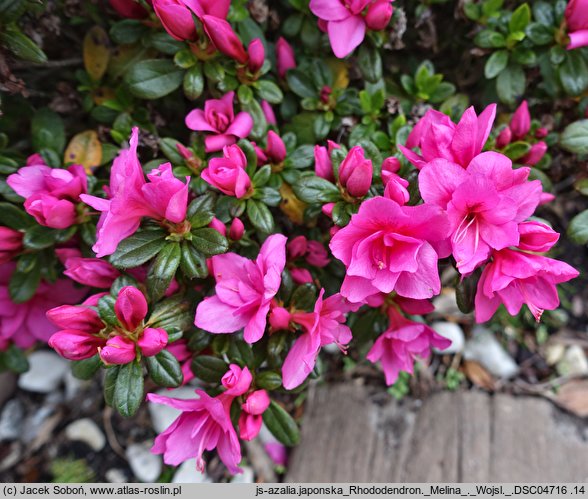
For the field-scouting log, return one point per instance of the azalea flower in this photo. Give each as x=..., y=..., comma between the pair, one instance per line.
x=576, y=16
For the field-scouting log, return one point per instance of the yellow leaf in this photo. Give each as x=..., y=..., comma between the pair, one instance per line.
x=102, y=94
x=96, y=52
x=84, y=149
x=339, y=69
x=291, y=206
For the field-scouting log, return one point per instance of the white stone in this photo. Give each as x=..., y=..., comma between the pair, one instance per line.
x=485, y=349
x=47, y=370
x=162, y=415
x=145, y=465
x=574, y=362
x=452, y=332
x=187, y=473
x=554, y=353
x=85, y=430
x=246, y=477
x=114, y=475
x=11, y=420
x=446, y=304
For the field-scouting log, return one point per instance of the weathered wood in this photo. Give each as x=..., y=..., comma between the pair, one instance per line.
x=352, y=435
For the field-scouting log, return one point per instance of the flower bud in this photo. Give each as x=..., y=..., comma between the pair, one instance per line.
x=80, y=318
x=256, y=402
x=236, y=380
x=75, y=345
x=297, y=247
x=279, y=318
x=520, y=123
x=276, y=149
x=317, y=255
x=176, y=18
x=118, y=350
x=236, y=230
x=130, y=307
x=228, y=173
x=327, y=209
x=535, y=155
x=578, y=39
x=184, y=151
x=277, y=452
x=301, y=276
x=91, y=271
x=284, y=56
x=50, y=211
x=217, y=225
x=249, y=426
x=256, y=52
x=541, y=133
x=268, y=112
x=224, y=38
x=536, y=236
x=504, y=138
x=379, y=14
x=129, y=9
x=152, y=341
x=396, y=189
x=390, y=165
x=355, y=172
x=323, y=166
x=10, y=243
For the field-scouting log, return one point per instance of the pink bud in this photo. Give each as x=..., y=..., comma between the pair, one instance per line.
x=217, y=225
x=546, y=197
x=504, y=138
x=249, y=426
x=285, y=57
x=390, y=165
x=333, y=230
x=262, y=158
x=317, y=255
x=184, y=151
x=236, y=230
x=323, y=166
x=130, y=307
x=92, y=300
x=176, y=18
x=327, y=209
x=83, y=319
x=256, y=403
x=536, y=236
x=91, y=272
x=224, y=38
x=520, y=123
x=50, y=211
x=228, y=173
x=10, y=243
x=535, y=155
x=578, y=39
x=268, y=112
x=130, y=9
x=379, y=14
x=276, y=149
x=277, y=452
x=355, y=172
x=236, y=380
x=256, y=52
x=75, y=345
x=36, y=159
x=541, y=133
x=279, y=318
x=396, y=189
x=118, y=350
x=152, y=341
x=297, y=247
x=301, y=276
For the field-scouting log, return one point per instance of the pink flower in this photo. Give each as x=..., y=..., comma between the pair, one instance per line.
x=250, y=420
x=275, y=151
x=204, y=424
x=279, y=318
x=277, y=452
x=236, y=380
x=404, y=340
x=285, y=57
x=131, y=198
x=228, y=173
x=72, y=344
x=536, y=236
x=439, y=137
x=345, y=23
x=323, y=326
x=485, y=204
x=216, y=8
x=323, y=166
x=176, y=18
x=516, y=278
x=520, y=123
x=118, y=350
x=25, y=323
x=10, y=244
x=130, y=9
x=379, y=14
x=355, y=172
x=224, y=38
x=387, y=247
x=51, y=194
x=91, y=272
x=244, y=290
x=219, y=119
x=576, y=16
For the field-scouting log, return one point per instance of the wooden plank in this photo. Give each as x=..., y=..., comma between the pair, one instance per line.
x=352, y=433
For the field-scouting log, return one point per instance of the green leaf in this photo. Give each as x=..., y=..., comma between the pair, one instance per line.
x=164, y=43
x=128, y=390
x=165, y=369
x=153, y=78
x=23, y=285
x=575, y=137
x=301, y=84
x=259, y=121
x=193, y=263
x=209, y=241
x=578, y=228
x=520, y=18
x=268, y=380
x=209, y=368
x=510, y=84
x=301, y=157
x=573, y=73
x=370, y=62
x=39, y=237
x=465, y=292
x=127, y=31
x=47, y=131
x=16, y=360
x=172, y=313
x=490, y=39
x=495, y=64
x=163, y=270
x=262, y=176
x=304, y=297
x=543, y=13
x=540, y=34
x=204, y=203
x=313, y=190
x=260, y=216
x=13, y=217
x=517, y=150
x=21, y=45
x=269, y=91
x=281, y=424
x=138, y=249
x=106, y=310
x=110, y=384
x=193, y=82
x=86, y=368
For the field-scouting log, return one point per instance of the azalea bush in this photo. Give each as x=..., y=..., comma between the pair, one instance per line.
x=220, y=191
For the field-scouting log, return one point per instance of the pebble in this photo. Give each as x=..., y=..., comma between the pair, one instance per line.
x=485, y=349
x=162, y=415
x=246, y=477
x=47, y=370
x=452, y=332
x=11, y=420
x=574, y=362
x=145, y=465
x=87, y=431
x=114, y=475
x=187, y=473
x=446, y=304
x=554, y=353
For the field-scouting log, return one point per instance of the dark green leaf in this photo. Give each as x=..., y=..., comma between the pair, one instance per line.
x=106, y=310
x=269, y=91
x=153, y=78
x=496, y=63
x=193, y=82
x=21, y=45
x=13, y=217
x=193, y=263
x=313, y=189
x=163, y=270
x=268, y=380
x=517, y=150
x=301, y=84
x=520, y=18
x=39, y=237
x=578, y=228
x=510, y=84
x=302, y=157
x=370, y=62
x=85, y=369
x=281, y=424
x=48, y=131
x=16, y=360
x=138, y=249
x=128, y=390
x=304, y=297
x=574, y=138
x=260, y=216
x=23, y=285
x=208, y=368
x=127, y=31
x=110, y=384
x=165, y=369
x=573, y=73
x=209, y=242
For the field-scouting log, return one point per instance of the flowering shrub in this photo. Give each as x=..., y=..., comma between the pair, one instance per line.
x=246, y=184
